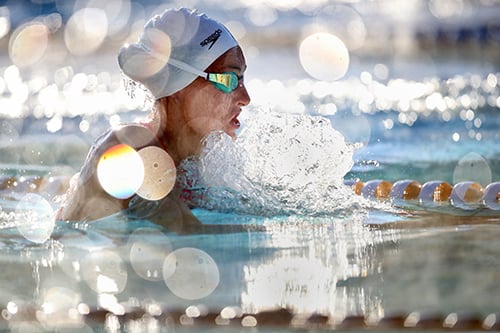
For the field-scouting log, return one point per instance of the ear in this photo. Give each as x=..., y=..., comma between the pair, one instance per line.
x=161, y=104
x=175, y=97
x=157, y=115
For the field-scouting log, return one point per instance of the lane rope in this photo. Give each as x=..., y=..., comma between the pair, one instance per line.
x=466, y=195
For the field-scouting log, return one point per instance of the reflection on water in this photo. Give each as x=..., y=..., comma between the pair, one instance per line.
x=319, y=269
x=341, y=269
x=322, y=274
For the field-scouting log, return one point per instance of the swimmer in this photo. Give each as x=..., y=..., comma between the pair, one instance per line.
x=193, y=67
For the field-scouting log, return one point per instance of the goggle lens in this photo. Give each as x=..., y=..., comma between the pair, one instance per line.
x=226, y=82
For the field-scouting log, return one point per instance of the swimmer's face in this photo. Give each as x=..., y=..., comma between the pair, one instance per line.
x=206, y=108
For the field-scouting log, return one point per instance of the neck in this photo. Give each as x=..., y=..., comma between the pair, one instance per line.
x=172, y=132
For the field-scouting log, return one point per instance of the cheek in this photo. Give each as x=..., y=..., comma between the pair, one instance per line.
x=203, y=124
x=208, y=113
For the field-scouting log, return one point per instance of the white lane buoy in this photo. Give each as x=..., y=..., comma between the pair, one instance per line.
x=466, y=195
x=435, y=191
x=377, y=188
x=406, y=189
x=355, y=185
x=491, y=196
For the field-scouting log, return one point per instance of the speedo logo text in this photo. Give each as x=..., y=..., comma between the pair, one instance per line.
x=211, y=39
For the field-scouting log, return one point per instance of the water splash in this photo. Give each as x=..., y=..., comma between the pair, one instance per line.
x=280, y=164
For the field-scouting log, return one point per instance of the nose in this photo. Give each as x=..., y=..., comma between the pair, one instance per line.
x=243, y=96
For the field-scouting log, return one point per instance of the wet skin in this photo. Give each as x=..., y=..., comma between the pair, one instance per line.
x=201, y=108
x=179, y=126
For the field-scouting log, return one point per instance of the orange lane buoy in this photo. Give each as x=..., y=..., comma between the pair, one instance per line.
x=467, y=195
x=435, y=191
x=491, y=196
x=407, y=189
x=356, y=185
x=379, y=189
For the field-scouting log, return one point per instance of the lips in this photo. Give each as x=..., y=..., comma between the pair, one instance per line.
x=235, y=122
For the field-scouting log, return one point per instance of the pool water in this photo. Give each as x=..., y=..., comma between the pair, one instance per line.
x=286, y=244
x=372, y=261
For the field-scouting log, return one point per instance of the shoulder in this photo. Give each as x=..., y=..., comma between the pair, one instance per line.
x=134, y=135
x=86, y=199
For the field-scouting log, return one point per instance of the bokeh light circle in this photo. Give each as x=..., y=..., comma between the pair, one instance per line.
x=104, y=272
x=190, y=273
x=117, y=12
x=58, y=308
x=344, y=19
x=159, y=45
x=159, y=173
x=139, y=64
x=4, y=22
x=85, y=31
x=35, y=218
x=135, y=135
x=472, y=167
x=148, y=249
x=324, y=56
x=120, y=171
x=28, y=44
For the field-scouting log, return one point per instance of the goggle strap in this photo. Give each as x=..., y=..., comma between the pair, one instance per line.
x=227, y=83
x=187, y=68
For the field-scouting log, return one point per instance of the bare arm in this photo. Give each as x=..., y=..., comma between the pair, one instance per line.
x=87, y=201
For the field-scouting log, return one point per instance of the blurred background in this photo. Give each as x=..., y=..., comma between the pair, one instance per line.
x=427, y=63
x=40, y=33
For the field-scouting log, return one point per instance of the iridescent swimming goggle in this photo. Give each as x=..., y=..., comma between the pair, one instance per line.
x=226, y=82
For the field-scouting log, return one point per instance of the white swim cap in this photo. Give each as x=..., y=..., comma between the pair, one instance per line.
x=178, y=36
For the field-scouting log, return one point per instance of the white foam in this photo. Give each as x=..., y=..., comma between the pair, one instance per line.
x=280, y=163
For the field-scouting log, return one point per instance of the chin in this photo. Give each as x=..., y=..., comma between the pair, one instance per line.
x=231, y=132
